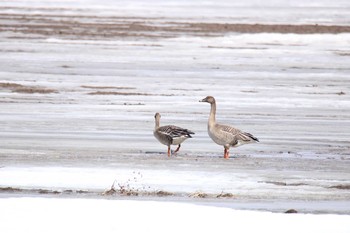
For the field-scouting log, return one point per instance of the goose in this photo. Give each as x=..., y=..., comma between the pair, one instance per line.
x=170, y=134
x=225, y=135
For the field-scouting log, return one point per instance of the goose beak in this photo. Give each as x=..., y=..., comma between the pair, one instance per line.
x=203, y=100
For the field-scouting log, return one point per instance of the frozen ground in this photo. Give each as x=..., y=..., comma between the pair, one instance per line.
x=78, y=97
x=72, y=215
x=252, y=11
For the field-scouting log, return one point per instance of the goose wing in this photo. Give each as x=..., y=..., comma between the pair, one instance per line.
x=235, y=135
x=173, y=131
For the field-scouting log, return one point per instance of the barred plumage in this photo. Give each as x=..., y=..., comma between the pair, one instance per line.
x=225, y=135
x=170, y=134
x=174, y=131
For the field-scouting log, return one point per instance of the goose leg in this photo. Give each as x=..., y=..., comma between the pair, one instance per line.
x=169, y=151
x=178, y=148
x=226, y=153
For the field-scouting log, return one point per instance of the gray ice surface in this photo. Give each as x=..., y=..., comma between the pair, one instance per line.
x=291, y=91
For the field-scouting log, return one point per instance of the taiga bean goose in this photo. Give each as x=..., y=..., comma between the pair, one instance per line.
x=170, y=134
x=225, y=135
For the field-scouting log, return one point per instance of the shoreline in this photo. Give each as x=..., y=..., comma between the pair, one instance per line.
x=70, y=27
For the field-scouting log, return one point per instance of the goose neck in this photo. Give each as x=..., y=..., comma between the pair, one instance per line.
x=212, y=114
x=156, y=124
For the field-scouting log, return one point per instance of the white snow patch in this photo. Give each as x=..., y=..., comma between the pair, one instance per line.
x=90, y=215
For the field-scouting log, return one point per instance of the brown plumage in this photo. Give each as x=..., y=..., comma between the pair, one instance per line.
x=225, y=135
x=170, y=134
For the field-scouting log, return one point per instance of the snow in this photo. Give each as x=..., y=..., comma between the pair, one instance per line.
x=269, y=184
x=90, y=215
x=290, y=76
x=271, y=11
x=289, y=90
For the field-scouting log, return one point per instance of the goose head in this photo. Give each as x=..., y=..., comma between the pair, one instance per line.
x=208, y=99
x=157, y=116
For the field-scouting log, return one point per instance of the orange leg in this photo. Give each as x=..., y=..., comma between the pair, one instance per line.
x=226, y=153
x=178, y=148
x=169, y=152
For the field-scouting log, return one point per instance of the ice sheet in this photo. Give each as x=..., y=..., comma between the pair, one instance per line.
x=76, y=109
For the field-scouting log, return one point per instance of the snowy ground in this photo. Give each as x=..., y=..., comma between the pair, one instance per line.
x=79, y=215
x=80, y=82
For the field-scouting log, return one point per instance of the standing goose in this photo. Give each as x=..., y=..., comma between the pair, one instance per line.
x=225, y=135
x=170, y=134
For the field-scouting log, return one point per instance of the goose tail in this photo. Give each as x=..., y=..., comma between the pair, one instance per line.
x=251, y=137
